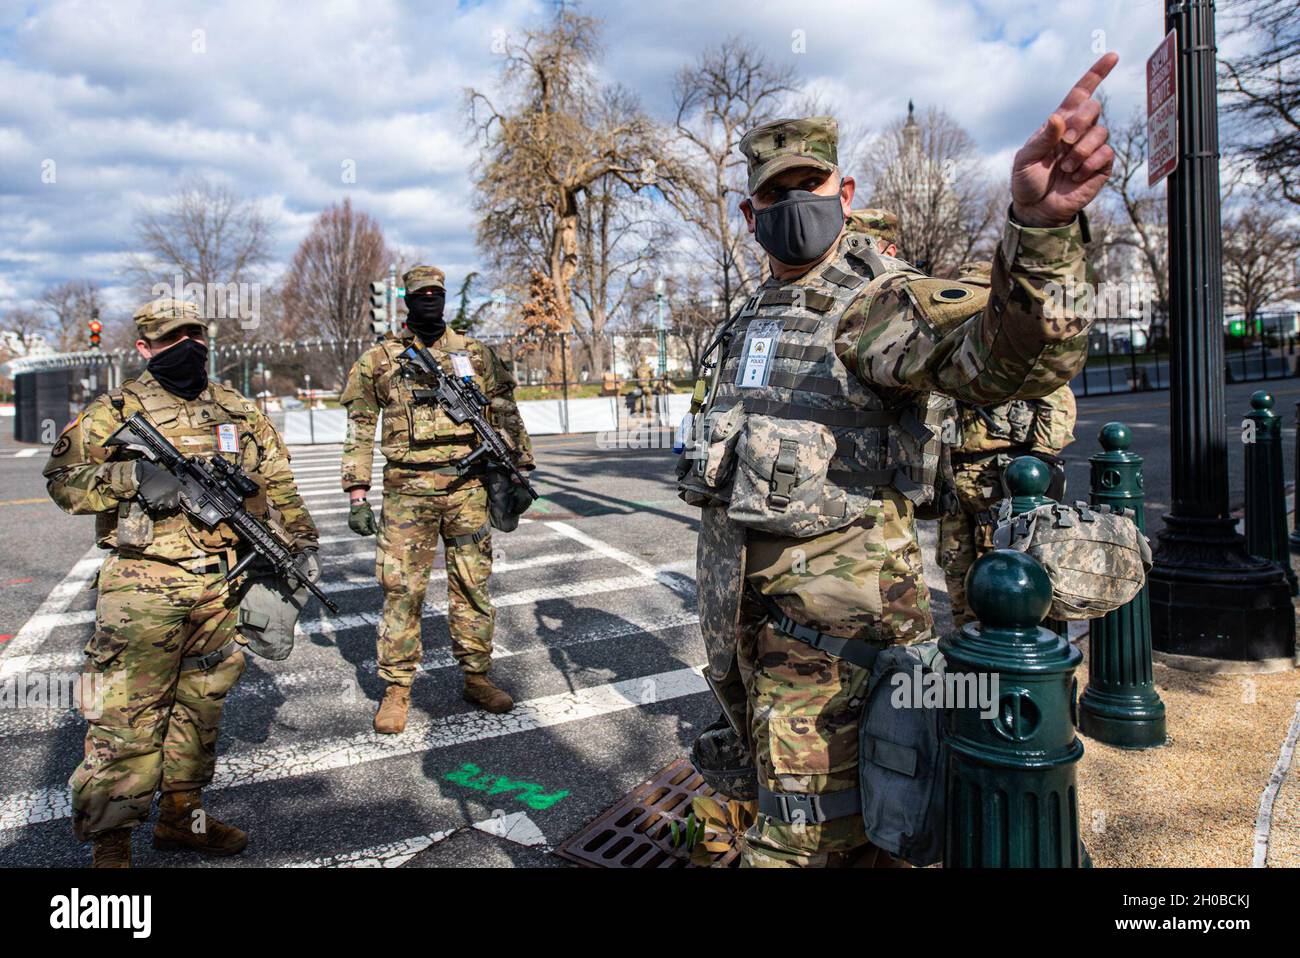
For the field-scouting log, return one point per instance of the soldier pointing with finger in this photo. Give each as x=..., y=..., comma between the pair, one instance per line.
x=815, y=448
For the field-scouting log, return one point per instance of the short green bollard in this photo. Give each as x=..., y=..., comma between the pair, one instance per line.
x=1266, y=535
x=1026, y=480
x=1120, y=706
x=1011, y=796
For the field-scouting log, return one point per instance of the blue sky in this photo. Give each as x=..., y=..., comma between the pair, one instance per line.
x=283, y=93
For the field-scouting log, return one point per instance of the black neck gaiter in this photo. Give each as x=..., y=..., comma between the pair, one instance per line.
x=182, y=369
x=424, y=316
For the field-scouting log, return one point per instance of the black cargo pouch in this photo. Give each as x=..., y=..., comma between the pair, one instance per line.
x=507, y=501
x=785, y=474
x=901, y=760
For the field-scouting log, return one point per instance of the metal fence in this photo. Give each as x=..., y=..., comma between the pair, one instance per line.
x=1131, y=354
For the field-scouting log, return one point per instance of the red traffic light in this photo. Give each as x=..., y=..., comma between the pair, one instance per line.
x=95, y=326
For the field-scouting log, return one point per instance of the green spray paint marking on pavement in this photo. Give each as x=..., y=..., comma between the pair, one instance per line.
x=471, y=776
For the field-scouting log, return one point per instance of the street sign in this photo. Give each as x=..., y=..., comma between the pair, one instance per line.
x=1162, y=110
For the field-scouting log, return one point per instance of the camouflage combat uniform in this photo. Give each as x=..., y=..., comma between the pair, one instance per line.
x=990, y=438
x=645, y=381
x=882, y=224
x=163, y=603
x=424, y=499
x=895, y=337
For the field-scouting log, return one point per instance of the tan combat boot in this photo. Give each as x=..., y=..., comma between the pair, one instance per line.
x=391, y=717
x=183, y=825
x=480, y=691
x=111, y=849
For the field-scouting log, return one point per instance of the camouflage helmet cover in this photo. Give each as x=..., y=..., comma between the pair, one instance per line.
x=879, y=223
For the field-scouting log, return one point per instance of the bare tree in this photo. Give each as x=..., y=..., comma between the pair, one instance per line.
x=212, y=242
x=728, y=91
x=327, y=292
x=558, y=134
x=1144, y=209
x=928, y=172
x=71, y=305
x=1260, y=248
x=1262, y=90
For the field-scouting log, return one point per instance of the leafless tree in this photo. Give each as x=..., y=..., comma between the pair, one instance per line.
x=727, y=91
x=209, y=237
x=1262, y=90
x=927, y=171
x=1144, y=209
x=1260, y=248
x=555, y=137
x=326, y=294
x=71, y=305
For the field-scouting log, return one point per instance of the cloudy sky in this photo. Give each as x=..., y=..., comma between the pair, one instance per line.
x=129, y=97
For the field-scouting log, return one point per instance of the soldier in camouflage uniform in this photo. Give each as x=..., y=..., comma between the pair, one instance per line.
x=809, y=463
x=424, y=497
x=990, y=438
x=881, y=224
x=165, y=639
x=645, y=376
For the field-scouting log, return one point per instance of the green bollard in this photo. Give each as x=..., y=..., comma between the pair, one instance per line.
x=1265, y=493
x=1027, y=479
x=1011, y=797
x=1120, y=706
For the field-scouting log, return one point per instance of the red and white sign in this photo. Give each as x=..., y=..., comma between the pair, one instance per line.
x=1162, y=110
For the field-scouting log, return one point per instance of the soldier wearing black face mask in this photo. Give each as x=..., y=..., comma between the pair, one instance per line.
x=425, y=498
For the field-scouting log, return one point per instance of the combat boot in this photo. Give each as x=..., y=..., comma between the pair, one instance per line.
x=111, y=849
x=391, y=717
x=179, y=828
x=481, y=692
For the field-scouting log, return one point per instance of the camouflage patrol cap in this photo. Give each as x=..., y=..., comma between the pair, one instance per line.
x=881, y=224
x=418, y=277
x=788, y=144
x=159, y=317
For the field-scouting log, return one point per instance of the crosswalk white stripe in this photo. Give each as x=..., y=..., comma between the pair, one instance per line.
x=66, y=659
x=261, y=765
x=340, y=679
x=26, y=453
x=516, y=827
x=15, y=653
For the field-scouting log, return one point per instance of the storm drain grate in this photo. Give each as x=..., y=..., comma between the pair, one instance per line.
x=634, y=833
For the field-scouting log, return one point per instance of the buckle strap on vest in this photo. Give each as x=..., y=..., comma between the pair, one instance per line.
x=798, y=296
x=803, y=354
x=860, y=652
x=847, y=418
x=840, y=278
x=473, y=538
x=807, y=809
x=209, y=660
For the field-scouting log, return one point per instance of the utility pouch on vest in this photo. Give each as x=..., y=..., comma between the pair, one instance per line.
x=780, y=484
x=901, y=762
x=717, y=454
x=134, y=525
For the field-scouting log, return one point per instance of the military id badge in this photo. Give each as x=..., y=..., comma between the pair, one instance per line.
x=756, y=357
x=461, y=364
x=227, y=437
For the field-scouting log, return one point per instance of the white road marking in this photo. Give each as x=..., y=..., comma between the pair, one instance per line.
x=388, y=855
x=1264, y=820
x=25, y=453
x=270, y=764
x=15, y=653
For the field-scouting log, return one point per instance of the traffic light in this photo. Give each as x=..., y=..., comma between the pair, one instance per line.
x=95, y=327
x=379, y=307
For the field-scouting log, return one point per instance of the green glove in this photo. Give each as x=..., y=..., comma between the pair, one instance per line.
x=361, y=519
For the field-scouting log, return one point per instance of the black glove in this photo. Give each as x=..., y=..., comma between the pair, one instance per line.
x=361, y=519
x=156, y=487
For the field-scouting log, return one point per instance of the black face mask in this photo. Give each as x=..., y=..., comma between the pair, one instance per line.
x=424, y=315
x=801, y=227
x=182, y=369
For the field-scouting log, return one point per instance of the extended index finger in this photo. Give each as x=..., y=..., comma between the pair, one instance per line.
x=1088, y=83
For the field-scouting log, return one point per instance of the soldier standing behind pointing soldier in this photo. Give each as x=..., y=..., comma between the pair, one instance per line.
x=425, y=498
x=165, y=639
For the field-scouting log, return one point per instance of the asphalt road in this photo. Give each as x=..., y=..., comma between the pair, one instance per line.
x=597, y=640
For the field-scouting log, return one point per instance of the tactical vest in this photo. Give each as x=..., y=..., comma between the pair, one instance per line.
x=195, y=428
x=804, y=447
x=422, y=433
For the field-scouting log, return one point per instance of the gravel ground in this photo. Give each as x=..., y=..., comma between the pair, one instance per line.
x=1194, y=802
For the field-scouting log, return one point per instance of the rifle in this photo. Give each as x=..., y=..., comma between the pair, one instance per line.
x=463, y=402
x=213, y=491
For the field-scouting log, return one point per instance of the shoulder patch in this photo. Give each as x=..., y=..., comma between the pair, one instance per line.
x=946, y=303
